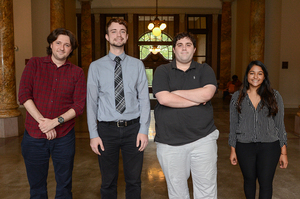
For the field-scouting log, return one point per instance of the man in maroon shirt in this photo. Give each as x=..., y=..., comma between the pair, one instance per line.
x=53, y=91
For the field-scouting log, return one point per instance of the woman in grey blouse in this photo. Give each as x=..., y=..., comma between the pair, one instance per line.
x=257, y=132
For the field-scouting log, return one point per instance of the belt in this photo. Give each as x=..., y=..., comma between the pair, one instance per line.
x=124, y=123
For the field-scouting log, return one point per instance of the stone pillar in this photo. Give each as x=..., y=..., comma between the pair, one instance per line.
x=257, y=30
x=225, y=54
x=86, y=35
x=8, y=102
x=57, y=14
x=81, y=128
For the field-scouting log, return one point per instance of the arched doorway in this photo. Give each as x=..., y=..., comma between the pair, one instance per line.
x=154, y=51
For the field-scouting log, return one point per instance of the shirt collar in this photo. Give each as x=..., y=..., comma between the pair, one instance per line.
x=49, y=60
x=193, y=64
x=112, y=56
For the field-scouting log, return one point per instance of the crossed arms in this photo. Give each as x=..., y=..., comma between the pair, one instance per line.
x=186, y=98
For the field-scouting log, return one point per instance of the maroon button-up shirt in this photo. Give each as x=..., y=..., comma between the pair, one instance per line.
x=54, y=90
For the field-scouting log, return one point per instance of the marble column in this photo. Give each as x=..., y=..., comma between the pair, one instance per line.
x=57, y=14
x=81, y=128
x=86, y=35
x=257, y=30
x=225, y=54
x=8, y=102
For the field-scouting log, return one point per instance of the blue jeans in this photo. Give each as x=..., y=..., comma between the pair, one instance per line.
x=36, y=154
x=116, y=138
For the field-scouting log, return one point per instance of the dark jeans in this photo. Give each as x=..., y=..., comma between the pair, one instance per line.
x=258, y=161
x=116, y=138
x=36, y=153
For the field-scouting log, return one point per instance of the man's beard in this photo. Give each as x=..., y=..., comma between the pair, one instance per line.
x=115, y=45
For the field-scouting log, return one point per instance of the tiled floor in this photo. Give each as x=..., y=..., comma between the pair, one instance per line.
x=86, y=175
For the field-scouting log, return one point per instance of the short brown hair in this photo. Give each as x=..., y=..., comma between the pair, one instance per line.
x=61, y=31
x=116, y=20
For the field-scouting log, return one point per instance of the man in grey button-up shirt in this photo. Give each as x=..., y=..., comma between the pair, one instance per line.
x=110, y=130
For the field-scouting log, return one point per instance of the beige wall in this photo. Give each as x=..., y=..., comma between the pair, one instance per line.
x=40, y=26
x=22, y=35
x=289, y=79
x=273, y=40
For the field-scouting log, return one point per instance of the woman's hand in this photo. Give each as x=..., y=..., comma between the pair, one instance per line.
x=283, y=161
x=233, y=158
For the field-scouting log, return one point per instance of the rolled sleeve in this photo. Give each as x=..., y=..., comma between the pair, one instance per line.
x=279, y=120
x=79, y=94
x=26, y=83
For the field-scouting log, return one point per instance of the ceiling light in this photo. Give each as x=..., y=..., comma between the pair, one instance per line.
x=157, y=25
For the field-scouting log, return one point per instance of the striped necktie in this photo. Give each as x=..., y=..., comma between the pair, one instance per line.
x=119, y=87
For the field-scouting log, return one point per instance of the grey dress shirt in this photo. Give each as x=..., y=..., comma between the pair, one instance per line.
x=101, y=97
x=254, y=125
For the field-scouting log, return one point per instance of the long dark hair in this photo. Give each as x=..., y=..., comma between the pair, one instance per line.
x=265, y=91
x=61, y=31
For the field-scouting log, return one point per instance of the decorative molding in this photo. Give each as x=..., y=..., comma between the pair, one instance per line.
x=150, y=11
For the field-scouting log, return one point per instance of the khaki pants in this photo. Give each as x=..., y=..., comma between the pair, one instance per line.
x=198, y=158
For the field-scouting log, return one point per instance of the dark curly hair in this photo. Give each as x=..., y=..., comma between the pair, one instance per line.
x=183, y=35
x=61, y=31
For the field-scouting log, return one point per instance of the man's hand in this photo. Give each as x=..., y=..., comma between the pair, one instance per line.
x=94, y=143
x=142, y=141
x=51, y=134
x=46, y=124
